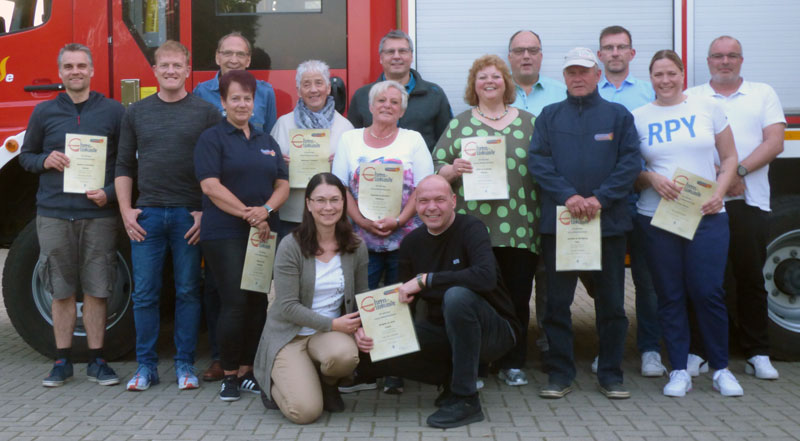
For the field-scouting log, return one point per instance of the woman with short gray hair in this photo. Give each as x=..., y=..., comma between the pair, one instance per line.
x=315, y=109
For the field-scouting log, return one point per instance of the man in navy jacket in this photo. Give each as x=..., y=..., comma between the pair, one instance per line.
x=77, y=231
x=584, y=154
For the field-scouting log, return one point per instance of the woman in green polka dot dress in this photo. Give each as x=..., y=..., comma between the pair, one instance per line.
x=513, y=223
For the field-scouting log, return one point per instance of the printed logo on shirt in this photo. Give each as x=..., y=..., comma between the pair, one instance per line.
x=604, y=136
x=268, y=152
x=662, y=132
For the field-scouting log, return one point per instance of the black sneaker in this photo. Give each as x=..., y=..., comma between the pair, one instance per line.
x=248, y=383
x=357, y=383
x=61, y=373
x=229, y=390
x=554, y=390
x=269, y=404
x=331, y=400
x=393, y=385
x=101, y=373
x=445, y=396
x=458, y=412
x=615, y=391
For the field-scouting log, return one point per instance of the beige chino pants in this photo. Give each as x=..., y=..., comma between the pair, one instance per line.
x=300, y=365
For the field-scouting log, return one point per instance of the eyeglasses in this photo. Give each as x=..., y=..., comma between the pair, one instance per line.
x=521, y=50
x=401, y=51
x=733, y=56
x=619, y=47
x=322, y=201
x=238, y=54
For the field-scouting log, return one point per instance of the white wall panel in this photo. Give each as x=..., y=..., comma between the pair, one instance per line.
x=451, y=34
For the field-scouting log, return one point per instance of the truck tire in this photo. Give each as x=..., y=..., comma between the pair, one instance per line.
x=28, y=303
x=782, y=278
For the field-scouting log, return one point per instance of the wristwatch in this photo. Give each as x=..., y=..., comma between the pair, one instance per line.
x=741, y=171
x=269, y=209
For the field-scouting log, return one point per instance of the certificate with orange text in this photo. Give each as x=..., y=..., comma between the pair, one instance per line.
x=309, y=150
x=258, y=261
x=578, y=242
x=489, y=177
x=683, y=215
x=387, y=322
x=87, y=162
x=380, y=190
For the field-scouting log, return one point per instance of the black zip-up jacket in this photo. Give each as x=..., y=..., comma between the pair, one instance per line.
x=47, y=129
x=586, y=146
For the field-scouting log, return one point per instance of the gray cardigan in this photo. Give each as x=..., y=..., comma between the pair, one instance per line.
x=295, y=278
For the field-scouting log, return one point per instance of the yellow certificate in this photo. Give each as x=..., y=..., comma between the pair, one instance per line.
x=489, y=177
x=380, y=190
x=309, y=150
x=578, y=242
x=387, y=322
x=683, y=215
x=258, y=260
x=87, y=163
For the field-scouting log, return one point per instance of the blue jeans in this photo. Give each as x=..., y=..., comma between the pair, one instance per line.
x=382, y=265
x=691, y=270
x=648, y=330
x=611, y=321
x=165, y=227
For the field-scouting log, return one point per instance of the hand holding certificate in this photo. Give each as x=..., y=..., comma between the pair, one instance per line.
x=489, y=177
x=578, y=242
x=258, y=261
x=87, y=162
x=380, y=190
x=387, y=322
x=682, y=215
x=310, y=149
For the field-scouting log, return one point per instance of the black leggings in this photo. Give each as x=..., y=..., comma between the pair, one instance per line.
x=242, y=313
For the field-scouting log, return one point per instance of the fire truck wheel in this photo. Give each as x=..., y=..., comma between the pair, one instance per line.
x=782, y=278
x=28, y=302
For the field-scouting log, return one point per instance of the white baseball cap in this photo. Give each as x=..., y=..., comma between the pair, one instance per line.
x=580, y=56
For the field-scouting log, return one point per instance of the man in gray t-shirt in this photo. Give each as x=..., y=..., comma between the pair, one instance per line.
x=156, y=148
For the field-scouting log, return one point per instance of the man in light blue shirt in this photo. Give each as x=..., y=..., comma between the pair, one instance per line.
x=619, y=86
x=233, y=53
x=534, y=91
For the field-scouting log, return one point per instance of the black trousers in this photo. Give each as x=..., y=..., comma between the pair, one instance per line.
x=517, y=266
x=242, y=313
x=472, y=333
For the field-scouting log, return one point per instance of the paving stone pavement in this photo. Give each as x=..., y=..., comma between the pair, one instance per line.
x=81, y=410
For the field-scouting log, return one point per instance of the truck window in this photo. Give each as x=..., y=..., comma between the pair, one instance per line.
x=283, y=33
x=151, y=22
x=19, y=15
x=267, y=6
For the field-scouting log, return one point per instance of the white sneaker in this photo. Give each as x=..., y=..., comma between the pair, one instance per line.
x=726, y=384
x=760, y=366
x=479, y=384
x=594, y=364
x=695, y=365
x=680, y=382
x=651, y=364
x=513, y=377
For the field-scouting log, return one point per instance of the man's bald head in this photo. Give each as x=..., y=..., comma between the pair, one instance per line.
x=436, y=203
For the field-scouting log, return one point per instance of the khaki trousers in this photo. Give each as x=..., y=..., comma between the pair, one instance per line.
x=302, y=363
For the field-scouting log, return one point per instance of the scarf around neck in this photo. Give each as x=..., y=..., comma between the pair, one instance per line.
x=305, y=118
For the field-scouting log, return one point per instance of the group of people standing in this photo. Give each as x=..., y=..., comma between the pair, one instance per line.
x=605, y=145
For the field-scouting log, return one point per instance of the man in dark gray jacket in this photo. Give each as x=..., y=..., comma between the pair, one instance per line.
x=428, y=109
x=585, y=155
x=77, y=230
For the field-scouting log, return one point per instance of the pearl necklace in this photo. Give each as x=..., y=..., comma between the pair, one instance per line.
x=497, y=118
x=380, y=137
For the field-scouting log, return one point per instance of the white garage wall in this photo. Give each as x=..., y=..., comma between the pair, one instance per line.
x=769, y=33
x=451, y=34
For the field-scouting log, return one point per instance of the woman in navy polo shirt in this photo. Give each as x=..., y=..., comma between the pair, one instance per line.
x=244, y=178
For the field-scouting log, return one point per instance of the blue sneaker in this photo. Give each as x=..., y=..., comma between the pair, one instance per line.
x=186, y=377
x=101, y=373
x=61, y=372
x=143, y=379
